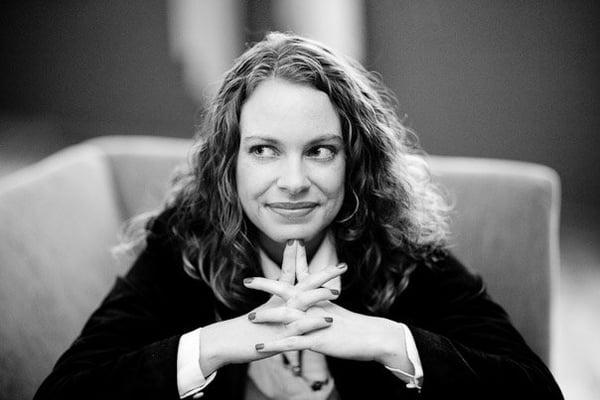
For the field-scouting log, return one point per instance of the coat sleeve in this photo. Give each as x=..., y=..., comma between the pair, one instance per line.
x=467, y=345
x=128, y=347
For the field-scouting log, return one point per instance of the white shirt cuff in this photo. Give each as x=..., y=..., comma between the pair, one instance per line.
x=190, y=379
x=415, y=381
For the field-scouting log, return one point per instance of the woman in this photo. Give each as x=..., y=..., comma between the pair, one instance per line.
x=302, y=256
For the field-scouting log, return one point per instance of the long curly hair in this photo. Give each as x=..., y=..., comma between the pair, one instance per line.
x=393, y=216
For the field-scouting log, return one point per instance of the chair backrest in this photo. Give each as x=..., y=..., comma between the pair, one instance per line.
x=505, y=227
x=59, y=218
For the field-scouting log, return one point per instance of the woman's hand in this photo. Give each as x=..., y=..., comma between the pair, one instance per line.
x=235, y=340
x=350, y=336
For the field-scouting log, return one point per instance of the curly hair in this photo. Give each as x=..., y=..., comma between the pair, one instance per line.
x=392, y=217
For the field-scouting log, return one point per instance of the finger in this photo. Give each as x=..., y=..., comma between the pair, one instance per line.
x=293, y=358
x=288, y=265
x=277, y=288
x=288, y=344
x=308, y=324
x=309, y=298
x=301, y=262
x=283, y=315
x=318, y=279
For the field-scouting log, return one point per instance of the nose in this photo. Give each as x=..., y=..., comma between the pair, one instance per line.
x=293, y=177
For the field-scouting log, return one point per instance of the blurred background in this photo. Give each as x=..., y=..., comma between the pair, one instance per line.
x=509, y=79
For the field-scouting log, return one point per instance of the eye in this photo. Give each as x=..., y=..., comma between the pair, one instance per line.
x=322, y=152
x=262, y=151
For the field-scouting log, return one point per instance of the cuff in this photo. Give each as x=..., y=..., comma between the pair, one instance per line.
x=190, y=379
x=415, y=381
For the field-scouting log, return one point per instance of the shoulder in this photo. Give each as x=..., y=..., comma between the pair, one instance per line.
x=160, y=264
x=443, y=283
x=159, y=227
x=445, y=272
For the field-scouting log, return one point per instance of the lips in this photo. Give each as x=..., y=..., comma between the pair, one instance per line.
x=293, y=210
x=293, y=206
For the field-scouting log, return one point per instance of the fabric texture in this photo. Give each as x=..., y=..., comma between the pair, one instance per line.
x=128, y=348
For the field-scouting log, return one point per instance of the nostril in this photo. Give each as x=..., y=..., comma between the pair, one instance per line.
x=293, y=183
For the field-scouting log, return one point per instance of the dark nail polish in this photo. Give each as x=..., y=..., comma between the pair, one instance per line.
x=251, y=316
x=301, y=242
x=342, y=265
x=260, y=346
x=328, y=320
x=334, y=292
x=290, y=242
x=248, y=280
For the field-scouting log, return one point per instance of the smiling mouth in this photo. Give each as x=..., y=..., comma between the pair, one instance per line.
x=292, y=210
x=293, y=206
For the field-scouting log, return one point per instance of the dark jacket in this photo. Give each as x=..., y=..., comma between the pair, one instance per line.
x=128, y=348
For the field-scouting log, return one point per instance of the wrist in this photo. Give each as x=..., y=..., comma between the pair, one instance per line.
x=392, y=346
x=211, y=357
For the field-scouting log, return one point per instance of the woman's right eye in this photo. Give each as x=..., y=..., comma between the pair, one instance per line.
x=263, y=151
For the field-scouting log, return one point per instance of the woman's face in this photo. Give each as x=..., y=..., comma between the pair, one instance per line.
x=291, y=162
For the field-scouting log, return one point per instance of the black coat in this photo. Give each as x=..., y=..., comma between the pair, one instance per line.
x=128, y=347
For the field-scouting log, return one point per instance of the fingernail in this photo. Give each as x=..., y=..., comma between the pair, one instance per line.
x=259, y=346
x=335, y=292
x=342, y=265
x=248, y=281
x=297, y=370
x=251, y=316
x=328, y=320
x=290, y=242
x=301, y=242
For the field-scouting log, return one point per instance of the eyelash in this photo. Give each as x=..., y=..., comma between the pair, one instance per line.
x=256, y=150
x=331, y=149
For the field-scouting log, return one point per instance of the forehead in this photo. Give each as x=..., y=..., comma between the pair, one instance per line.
x=284, y=110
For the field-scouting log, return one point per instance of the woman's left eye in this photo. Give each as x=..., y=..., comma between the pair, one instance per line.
x=322, y=152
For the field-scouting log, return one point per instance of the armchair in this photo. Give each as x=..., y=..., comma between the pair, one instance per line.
x=59, y=218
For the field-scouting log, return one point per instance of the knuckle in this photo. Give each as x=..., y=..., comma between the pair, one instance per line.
x=302, y=276
x=292, y=327
x=291, y=313
x=301, y=297
x=291, y=303
x=293, y=297
x=291, y=342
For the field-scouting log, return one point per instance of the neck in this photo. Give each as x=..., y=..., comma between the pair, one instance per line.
x=275, y=249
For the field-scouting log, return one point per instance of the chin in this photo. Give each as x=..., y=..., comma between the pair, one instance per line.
x=284, y=233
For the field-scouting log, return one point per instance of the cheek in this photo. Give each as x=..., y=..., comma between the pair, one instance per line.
x=332, y=183
x=251, y=180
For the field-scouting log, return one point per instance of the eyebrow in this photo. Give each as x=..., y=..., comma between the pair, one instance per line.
x=318, y=139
